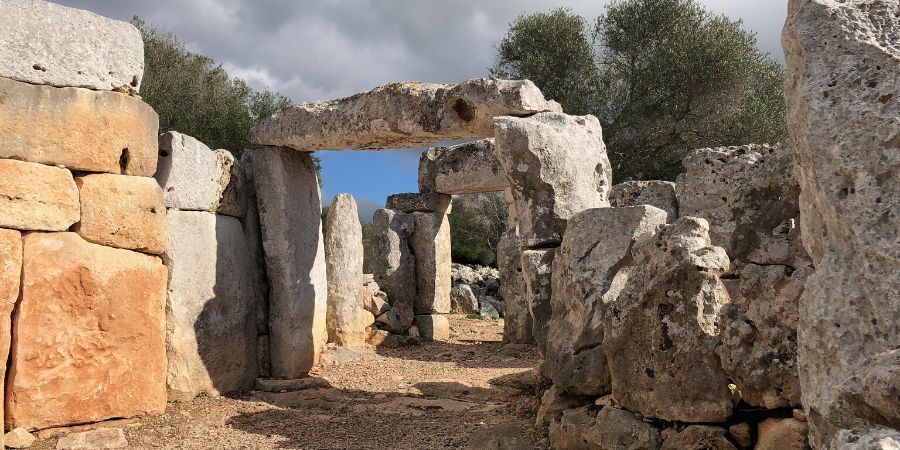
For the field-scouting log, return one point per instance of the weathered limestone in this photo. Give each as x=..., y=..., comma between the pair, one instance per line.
x=469, y=168
x=573, y=430
x=697, y=437
x=537, y=271
x=347, y=319
x=619, y=429
x=781, y=434
x=393, y=265
x=596, y=244
x=758, y=331
x=749, y=195
x=290, y=214
x=554, y=402
x=557, y=166
x=195, y=178
x=431, y=246
x=123, y=212
x=517, y=324
x=10, y=278
x=18, y=438
x=101, y=438
x=46, y=43
x=107, y=356
x=660, y=333
x=211, y=339
x=660, y=194
x=843, y=99
x=874, y=439
x=37, y=197
x=253, y=237
x=415, y=202
x=92, y=131
x=433, y=327
x=400, y=115
x=462, y=299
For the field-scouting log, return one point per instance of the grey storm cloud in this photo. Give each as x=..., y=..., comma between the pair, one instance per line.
x=321, y=49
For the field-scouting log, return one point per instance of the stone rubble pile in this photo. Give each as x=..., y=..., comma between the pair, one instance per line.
x=476, y=289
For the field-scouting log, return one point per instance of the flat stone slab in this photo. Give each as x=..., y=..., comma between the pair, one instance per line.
x=296, y=384
x=402, y=115
x=80, y=129
x=35, y=197
x=46, y=43
x=469, y=168
x=427, y=202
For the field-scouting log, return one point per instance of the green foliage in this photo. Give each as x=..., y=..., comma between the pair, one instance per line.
x=476, y=223
x=670, y=77
x=552, y=50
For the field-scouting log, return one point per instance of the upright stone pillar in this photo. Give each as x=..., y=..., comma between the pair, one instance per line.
x=843, y=99
x=393, y=265
x=347, y=320
x=290, y=217
x=517, y=318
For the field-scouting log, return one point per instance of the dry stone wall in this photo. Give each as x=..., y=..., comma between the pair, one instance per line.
x=81, y=223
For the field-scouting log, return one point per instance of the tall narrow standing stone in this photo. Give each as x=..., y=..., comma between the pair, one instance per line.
x=516, y=317
x=290, y=214
x=843, y=99
x=431, y=247
x=393, y=264
x=10, y=277
x=537, y=268
x=347, y=320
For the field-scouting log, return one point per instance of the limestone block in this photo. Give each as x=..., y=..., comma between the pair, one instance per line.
x=414, y=202
x=574, y=429
x=596, y=244
x=843, y=100
x=195, y=178
x=431, y=247
x=10, y=280
x=749, y=195
x=211, y=340
x=557, y=167
x=462, y=299
x=101, y=438
x=399, y=115
x=123, y=212
x=554, y=402
x=433, y=327
x=253, y=236
x=469, y=168
x=660, y=194
x=92, y=131
x=537, y=268
x=290, y=217
x=347, y=318
x=758, y=333
x=517, y=324
x=393, y=264
x=873, y=439
x=619, y=429
x=107, y=356
x=782, y=434
x=37, y=197
x=47, y=43
x=697, y=437
x=660, y=333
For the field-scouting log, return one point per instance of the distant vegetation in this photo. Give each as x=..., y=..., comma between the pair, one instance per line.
x=476, y=223
x=663, y=76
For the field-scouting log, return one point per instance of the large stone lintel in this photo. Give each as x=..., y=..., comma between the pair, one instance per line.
x=402, y=115
x=469, y=168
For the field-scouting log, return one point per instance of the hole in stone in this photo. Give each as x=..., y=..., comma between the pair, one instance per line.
x=163, y=154
x=464, y=110
x=134, y=81
x=39, y=67
x=123, y=160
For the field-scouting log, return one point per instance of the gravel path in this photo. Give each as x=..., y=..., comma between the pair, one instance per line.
x=470, y=392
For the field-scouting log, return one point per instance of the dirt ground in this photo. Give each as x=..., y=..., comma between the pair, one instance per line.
x=471, y=392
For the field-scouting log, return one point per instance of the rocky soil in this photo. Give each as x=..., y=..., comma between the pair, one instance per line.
x=469, y=392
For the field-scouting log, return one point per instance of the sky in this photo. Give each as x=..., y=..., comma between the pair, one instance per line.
x=314, y=50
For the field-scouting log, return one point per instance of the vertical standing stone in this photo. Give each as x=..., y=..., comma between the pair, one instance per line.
x=843, y=99
x=290, y=214
x=431, y=247
x=10, y=275
x=517, y=318
x=211, y=306
x=557, y=167
x=537, y=267
x=393, y=265
x=253, y=235
x=94, y=318
x=347, y=319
